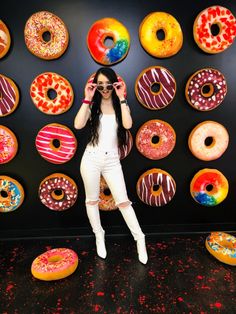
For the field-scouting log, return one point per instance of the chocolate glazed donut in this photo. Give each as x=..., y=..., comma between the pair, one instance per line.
x=156, y=187
x=58, y=192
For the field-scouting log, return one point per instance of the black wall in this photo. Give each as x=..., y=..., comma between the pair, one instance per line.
x=182, y=213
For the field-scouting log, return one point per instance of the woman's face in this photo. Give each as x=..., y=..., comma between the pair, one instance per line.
x=104, y=86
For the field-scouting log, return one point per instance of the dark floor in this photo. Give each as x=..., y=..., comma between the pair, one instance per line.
x=180, y=277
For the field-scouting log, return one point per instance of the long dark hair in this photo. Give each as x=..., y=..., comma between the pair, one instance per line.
x=96, y=109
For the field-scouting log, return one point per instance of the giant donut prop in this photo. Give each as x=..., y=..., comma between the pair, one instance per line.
x=222, y=246
x=54, y=264
x=58, y=192
x=5, y=39
x=36, y=26
x=11, y=194
x=8, y=145
x=106, y=202
x=9, y=96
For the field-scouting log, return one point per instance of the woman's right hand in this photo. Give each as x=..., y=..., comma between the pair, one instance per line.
x=89, y=90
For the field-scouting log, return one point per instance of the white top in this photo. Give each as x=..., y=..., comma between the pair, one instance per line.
x=107, y=132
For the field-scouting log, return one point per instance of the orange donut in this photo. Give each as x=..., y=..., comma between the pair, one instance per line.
x=5, y=39
x=39, y=24
x=11, y=194
x=9, y=96
x=107, y=202
x=46, y=82
x=224, y=37
x=155, y=139
x=54, y=264
x=208, y=130
x=8, y=145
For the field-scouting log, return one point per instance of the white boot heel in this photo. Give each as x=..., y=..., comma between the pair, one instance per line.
x=142, y=251
x=100, y=244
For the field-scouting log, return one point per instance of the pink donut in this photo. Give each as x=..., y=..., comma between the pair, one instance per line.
x=164, y=134
x=8, y=145
x=46, y=143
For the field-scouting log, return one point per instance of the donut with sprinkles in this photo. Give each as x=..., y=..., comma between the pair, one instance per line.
x=5, y=39
x=9, y=96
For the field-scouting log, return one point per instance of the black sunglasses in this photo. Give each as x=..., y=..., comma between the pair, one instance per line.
x=108, y=87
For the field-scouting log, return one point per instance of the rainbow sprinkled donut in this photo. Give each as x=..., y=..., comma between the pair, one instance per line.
x=102, y=30
x=11, y=194
x=209, y=187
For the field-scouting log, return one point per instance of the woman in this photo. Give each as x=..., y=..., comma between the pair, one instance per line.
x=109, y=116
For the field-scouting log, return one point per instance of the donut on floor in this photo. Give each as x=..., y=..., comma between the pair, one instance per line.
x=209, y=187
x=5, y=39
x=218, y=138
x=151, y=78
x=54, y=264
x=210, y=40
x=156, y=187
x=56, y=143
x=99, y=32
x=155, y=139
x=148, y=34
x=107, y=202
x=206, y=89
x=8, y=145
x=37, y=26
x=222, y=246
x=11, y=194
x=46, y=82
x=9, y=96
x=58, y=192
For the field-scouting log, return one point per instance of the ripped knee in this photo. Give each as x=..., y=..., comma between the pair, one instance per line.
x=124, y=204
x=92, y=202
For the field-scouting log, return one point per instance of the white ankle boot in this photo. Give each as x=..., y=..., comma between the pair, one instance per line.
x=95, y=222
x=133, y=224
x=100, y=244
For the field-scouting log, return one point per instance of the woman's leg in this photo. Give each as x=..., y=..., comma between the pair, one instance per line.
x=116, y=183
x=90, y=173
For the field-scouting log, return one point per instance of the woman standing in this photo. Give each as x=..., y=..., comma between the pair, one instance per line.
x=108, y=114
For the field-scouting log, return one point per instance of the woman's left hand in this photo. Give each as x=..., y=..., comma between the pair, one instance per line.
x=120, y=89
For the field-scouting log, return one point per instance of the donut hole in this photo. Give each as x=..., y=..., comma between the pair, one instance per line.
x=155, y=139
x=46, y=36
x=160, y=34
x=155, y=187
x=209, y=187
x=56, y=143
x=107, y=192
x=57, y=194
x=207, y=90
x=109, y=42
x=156, y=87
x=54, y=259
x=4, y=194
x=215, y=29
x=51, y=93
x=209, y=141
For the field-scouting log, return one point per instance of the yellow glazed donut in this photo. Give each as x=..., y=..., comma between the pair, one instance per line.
x=223, y=38
x=100, y=31
x=222, y=246
x=5, y=39
x=37, y=25
x=209, y=187
x=172, y=41
x=54, y=264
x=218, y=140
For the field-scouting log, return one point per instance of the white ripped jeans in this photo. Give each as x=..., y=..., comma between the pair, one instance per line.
x=94, y=163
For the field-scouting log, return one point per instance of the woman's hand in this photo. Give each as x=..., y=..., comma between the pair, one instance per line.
x=120, y=89
x=89, y=90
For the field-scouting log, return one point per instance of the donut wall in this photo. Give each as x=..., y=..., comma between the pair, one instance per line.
x=179, y=161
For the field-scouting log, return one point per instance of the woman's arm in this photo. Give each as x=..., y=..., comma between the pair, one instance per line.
x=84, y=112
x=125, y=111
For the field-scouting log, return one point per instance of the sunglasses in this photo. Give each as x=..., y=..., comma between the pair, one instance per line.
x=102, y=87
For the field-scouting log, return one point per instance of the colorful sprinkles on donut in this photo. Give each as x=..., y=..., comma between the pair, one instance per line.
x=11, y=194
